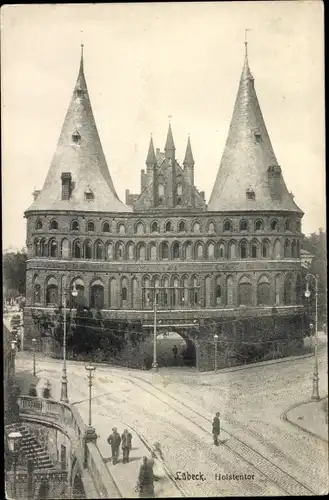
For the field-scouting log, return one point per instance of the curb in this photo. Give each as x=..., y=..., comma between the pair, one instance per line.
x=284, y=418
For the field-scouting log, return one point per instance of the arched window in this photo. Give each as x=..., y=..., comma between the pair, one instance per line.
x=79, y=300
x=199, y=250
x=135, y=292
x=121, y=228
x=147, y=298
x=175, y=292
x=229, y=291
x=176, y=250
x=130, y=251
x=207, y=291
x=263, y=292
x=287, y=225
x=77, y=249
x=52, y=248
x=160, y=190
x=88, y=250
x=164, y=250
x=54, y=224
x=156, y=291
x=109, y=250
x=277, y=289
x=211, y=250
x=298, y=249
x=211, y=227
x=243, y=249
x=277, y=249
x=165, y=295
x=274, y=225
x=195, y=291
x=243, y=225
x=99, y=250
x=168, y=227
x=152, y=251
x=65, y=248
x=52, y=292
x=287, y=249
x=221, y=251
x=185, y=292
x=218, y=293
x=155, y=227
x=298, y=226
x=141, y=251
x=38, y=224
x=97, y=295
x=254, y=249
x=227, y=225
x=179, y=189
x=293, y=249
x=182, y=227
x=265, y=249
x=188, y=250
x=112, y=292
x=245, y=292
x=90, y=226
x=196, y=227
x=119, y=251
x=140, y=228
x=288, y=290
x=124, y=292
x=259, y=225
x=75, y=225
x=106, y=227
x=232, y=250
x=43, y=248
x=36, y=293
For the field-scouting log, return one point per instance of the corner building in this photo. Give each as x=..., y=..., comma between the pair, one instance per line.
x=231, y=267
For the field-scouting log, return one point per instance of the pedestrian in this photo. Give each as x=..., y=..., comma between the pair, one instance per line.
x=146, y=480
x=216, y=428
x=47, y=390
x=175, y=351
x=126, y=445
x=114, y=441
x=33, y=391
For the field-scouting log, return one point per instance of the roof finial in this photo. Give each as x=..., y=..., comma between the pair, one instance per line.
x=246, y=41
x=170, y=117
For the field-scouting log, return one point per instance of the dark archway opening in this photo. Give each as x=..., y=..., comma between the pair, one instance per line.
x=78, y=490
x=175, y=348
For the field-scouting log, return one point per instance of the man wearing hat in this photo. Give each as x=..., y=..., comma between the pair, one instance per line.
x=216, y=428
x=126, y=445
x=114, y=441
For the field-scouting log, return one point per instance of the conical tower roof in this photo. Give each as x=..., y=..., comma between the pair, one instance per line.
x=79, y=152
x=151, y=158
x=247, y=156
x=170, y=146
x=188, y=160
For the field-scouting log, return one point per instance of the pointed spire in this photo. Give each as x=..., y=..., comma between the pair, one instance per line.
x=170, y=146
x=151, y=158
x=247, y=156
x=188, y=160
x=79, y=152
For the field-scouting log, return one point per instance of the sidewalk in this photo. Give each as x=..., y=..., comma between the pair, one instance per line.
x=311, y=417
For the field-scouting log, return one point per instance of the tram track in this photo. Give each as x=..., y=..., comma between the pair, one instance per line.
x=263, y=465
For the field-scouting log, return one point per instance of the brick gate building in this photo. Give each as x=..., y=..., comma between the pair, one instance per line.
x=231, y=266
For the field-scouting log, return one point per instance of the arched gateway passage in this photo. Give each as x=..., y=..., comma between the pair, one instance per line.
x=175, y=348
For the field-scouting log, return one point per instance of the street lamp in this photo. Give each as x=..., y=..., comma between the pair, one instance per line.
x=315, y=392
x=34, y=341
x=155, y=365
x=215, y=339
x=13, y=442
x=64, y=396
x=90, y=431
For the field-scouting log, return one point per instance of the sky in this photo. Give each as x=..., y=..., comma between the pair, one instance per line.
x=146, y=62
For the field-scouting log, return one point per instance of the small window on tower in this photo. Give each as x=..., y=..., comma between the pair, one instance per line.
x=89, y=195
x=179, y=190
x=79, y=92
x=258, y=137
x=76, y=137
x=250, y=193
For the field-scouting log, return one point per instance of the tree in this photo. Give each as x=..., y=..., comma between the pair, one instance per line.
x=14, y=272
x=316, y=244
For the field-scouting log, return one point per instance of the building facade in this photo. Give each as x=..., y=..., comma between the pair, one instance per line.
x=233, y=263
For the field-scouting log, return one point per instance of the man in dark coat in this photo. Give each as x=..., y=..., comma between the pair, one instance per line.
x=114, y=441
x=216, y=428
x=126, y=445
x=175, y=352
x=146, y=480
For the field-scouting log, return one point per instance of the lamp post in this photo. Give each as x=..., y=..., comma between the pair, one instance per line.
x=90, y=431
x=64, y=395
x=155, y=365
x=34, y=341
x=215, y=340
x=13, y=442
x=315, y=392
